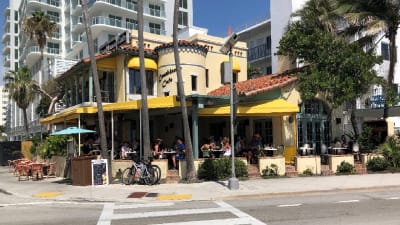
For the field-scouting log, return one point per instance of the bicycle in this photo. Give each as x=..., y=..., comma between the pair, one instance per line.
x=143, y=172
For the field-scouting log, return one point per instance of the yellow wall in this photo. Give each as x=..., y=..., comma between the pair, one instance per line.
x=119, y=78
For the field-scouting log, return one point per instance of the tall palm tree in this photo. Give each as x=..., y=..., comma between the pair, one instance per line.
x=145, y=139
x=191, y=172
x=20, y=87
x=372, y=18
x=39, y=27
x=100, y=113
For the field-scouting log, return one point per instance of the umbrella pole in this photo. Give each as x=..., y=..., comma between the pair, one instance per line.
x=79, y=135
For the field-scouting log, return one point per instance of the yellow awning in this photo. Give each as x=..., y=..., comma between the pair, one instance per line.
x=135, y=63
x=107, y=63
x=235, y=64
x=265, y=108
x=153, y=103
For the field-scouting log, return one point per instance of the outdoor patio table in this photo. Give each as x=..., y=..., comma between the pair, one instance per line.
x=305, y=150
x=338, y=150
x=217, y=152
x=270, y=151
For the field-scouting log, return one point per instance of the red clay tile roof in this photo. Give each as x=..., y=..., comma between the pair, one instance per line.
x=257, y=85
x=182, y=43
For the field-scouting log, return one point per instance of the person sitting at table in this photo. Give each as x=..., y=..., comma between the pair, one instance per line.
x=124, y=150
x=256, y=144
x=86, y=148
x=158, y=152
x=180, y=149
x=226, y=147
x=240, y=147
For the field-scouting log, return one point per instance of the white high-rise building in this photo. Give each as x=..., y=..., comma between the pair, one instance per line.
x=108, y=18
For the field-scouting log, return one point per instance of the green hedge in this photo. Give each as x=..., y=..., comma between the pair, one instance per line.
x=221, y=169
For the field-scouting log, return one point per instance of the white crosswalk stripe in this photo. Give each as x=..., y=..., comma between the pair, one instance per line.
x=238, y=217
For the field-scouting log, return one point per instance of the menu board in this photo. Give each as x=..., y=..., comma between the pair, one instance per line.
x=99, y=172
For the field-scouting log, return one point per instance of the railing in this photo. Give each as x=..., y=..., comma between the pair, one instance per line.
x=48, y=50
x=258, y=52
x=55, y=3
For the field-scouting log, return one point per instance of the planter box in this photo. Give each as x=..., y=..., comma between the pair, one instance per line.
x=366, y=157
x=81, y=170
x=308, y=162
x=182, y=167
x=263, y=162
x=335, y=160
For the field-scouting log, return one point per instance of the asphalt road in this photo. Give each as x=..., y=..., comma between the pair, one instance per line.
x=373, y=207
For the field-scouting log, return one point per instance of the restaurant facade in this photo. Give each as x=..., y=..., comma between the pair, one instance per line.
x=269, y=105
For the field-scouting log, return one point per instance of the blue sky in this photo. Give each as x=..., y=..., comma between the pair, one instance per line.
x=218, y=15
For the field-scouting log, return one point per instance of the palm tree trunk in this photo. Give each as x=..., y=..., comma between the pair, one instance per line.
x=390, y=79
x=100, y=113
x=145, y=139
x=191, y=172
x=26, y=123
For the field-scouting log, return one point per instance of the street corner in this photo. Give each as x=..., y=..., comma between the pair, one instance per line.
x=47, y=194
x=159, y=196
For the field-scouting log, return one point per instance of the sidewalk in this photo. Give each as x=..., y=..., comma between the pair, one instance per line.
x=56, y=189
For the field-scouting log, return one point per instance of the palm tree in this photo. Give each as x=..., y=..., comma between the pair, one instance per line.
x=145, y=139
x=100, y=113
x=372, y=18
x=39, y=27
x=191, y=172
x=20, y=87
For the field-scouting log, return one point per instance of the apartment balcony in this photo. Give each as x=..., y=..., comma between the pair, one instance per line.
x=372, y=107
x=6, y=48
x=53, y=5
x=258, y=52
x=33, y=54
x=7, y=60
x=77, y=40
x=77, y=23
x=56, y=37
x=76, y=8
x=6, y=35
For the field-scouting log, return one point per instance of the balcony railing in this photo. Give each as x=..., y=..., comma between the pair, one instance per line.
x=258, y=52
x=35, y=49
x=55, y=3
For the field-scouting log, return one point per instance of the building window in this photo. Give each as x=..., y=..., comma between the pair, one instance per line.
x=16, y=15
x=16, y=54
x=135, y=87
x=115, y=20
x=194, y=82
x=96, y=45
x=385, y=51
x=53, y=48
x=132, y=5
x=54, y=16
x=183, y=18
x=155, y=10
x=155, y=28
x=131, y=24
x=16, y=66
x=183, y=4
x=207, y=77
x=16, y=41
x=16, y=28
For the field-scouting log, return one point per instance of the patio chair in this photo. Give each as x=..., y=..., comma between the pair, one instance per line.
x=22, y=171
x=10, y=166
x=36, y=171
x=51, y=169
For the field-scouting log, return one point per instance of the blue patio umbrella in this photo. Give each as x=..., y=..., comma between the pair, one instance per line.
x=74, y=130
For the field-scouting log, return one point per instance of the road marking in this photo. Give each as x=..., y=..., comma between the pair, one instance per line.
x=135, y=206
x=348, y=201
x=290, y=205
x=234, y=221
x=106, y=214
x=240, y=214
x=175, y=197
x=52, y=202
x=393, y=198
x=48, y=194
x=166, y=213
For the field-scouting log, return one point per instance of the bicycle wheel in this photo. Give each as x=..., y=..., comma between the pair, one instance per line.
x=157, y=174
x=148, y=176
x=127, y=176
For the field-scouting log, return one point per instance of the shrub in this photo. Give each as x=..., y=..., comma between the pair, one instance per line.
x=54, y=145
x=220, y=169
x=270, y=171
x=308, y=172
x=345, y=168
x=377, y=164
x=391, y=151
